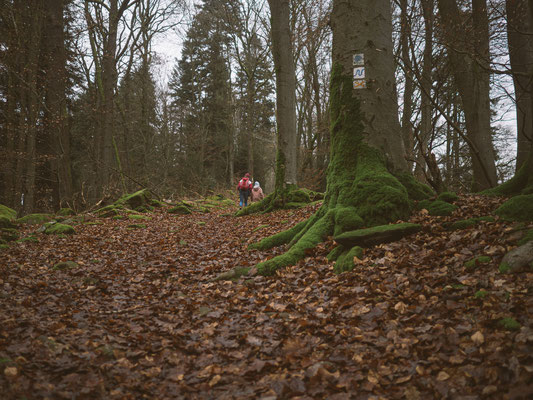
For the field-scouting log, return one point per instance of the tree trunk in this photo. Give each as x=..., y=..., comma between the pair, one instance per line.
x=407, y=129
x=468, y=53
x=521, y=58
x=56, y=103
x=286, y=157
x=366, y=140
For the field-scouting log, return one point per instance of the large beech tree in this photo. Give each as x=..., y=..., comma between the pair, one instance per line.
x=367, y=163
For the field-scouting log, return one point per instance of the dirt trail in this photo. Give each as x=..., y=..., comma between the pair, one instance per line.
x=140, y=318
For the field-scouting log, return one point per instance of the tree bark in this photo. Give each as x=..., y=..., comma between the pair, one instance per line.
x=56, y=121
x=286, y=157
x=468, y=53
x=521, y=58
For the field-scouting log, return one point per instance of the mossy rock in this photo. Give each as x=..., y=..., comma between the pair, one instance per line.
x=441, y=208
x=35, y=219
x=509, y=324
x=517, y=208
x=138, y=217
x=298, y=196
x=180, y=209
x=345, y=261
x=519, y=259
x=134, y=200
x=376, y=235
x=6, y=222
x=9, y=234
x=7, y=212
x=58, y=229
x=144, y=209
x=63, y=265
x=415, y=190
x=448, y=197
x=157, y=203
x=65, y=212
x=476, y=261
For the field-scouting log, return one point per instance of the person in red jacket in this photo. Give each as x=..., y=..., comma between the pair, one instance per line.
x=244, y=188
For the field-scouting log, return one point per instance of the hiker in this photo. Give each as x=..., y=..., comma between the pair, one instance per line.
x=244, y=188
x=257, y=193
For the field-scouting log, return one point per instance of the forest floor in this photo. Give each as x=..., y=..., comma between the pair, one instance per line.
x=139, y=315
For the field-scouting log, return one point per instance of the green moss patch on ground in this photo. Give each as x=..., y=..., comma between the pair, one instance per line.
x=8, y=234
x=345, y=262
x=180, y=209
x=65, y=265
x=441, y=208
x=376, y=235
x=58, y=229
x=466, y=223
x=476, y=262
x=65, y=212
x=509, y=324
x=517, y=208
x=139, y=217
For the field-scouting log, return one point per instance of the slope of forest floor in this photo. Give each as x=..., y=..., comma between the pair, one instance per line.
x=139, y=315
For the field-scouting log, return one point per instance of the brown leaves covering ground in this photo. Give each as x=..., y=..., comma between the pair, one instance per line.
x=140, y=318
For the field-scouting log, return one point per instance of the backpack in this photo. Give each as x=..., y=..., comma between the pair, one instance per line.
x=244, y=184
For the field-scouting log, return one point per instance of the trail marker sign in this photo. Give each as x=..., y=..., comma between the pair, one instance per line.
x=359, y=59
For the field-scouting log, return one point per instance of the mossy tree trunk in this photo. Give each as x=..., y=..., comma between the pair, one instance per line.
x=366, y=143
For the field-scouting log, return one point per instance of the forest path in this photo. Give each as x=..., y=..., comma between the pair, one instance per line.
x=139, y=316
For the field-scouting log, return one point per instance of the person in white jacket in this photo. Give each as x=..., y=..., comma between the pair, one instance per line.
x=257, y=193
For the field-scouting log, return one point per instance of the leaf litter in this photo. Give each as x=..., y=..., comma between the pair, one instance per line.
x=141, y=317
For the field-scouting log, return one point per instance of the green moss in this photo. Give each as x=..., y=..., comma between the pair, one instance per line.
x=65, y=212
x=65, y=265
x=8, y=234
x=136, y=226
x=201, y=223
x=278, y=239
x=527, y=238
x=298, y=196
x=467, y=223
x=96, y=222
x=334, y=254
x=423, y=204
x=260, y=227
x=119, y=217
x=377, y=234
x=518, y=208
x=522, y=182
x=181, y=209
x=476, y=261
x=345, y=261
x=6, y=222
x=134, y=200
x=504, y=268
x=448, y=197
x=481, y=294
x=346, y=219
x=415, y=190
x=441, y=208
x=4, y=246
x=58, y=229
x=293, y=206
x=315, y=234
x=34, y=219
x=7, y=212
x=509, y=323
x=139, y=217
x=30, y=238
